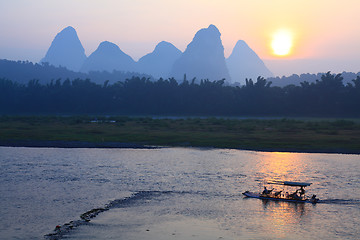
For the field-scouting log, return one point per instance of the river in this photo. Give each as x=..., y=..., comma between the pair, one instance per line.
x=173, y=193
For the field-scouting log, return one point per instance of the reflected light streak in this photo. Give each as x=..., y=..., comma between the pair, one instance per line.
x=281, y=216
x=281, y=166
x=284, y=167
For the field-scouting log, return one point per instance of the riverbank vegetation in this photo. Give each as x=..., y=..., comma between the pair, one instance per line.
x=327, y=97
x=257, y=134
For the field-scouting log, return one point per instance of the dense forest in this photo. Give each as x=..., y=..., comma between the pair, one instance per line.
x=326, y=97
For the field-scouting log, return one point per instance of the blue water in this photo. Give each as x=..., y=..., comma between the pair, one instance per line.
x=178, y=193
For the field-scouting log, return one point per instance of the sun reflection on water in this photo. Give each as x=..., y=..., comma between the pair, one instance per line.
x=279, y=217
x=281, y=166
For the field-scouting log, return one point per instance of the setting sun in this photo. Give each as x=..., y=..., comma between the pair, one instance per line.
x=282, y=43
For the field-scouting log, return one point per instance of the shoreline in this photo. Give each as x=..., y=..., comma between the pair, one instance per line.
x=70, y=144
x=84, y=144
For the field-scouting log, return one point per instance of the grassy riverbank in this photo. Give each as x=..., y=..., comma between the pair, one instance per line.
x=274, y=135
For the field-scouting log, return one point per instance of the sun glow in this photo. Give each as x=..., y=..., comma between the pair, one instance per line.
x=282, y=42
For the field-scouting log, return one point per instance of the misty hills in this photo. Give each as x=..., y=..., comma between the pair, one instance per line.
x=245, y=63
x=66, y=50
x=108, y=57
x=159, y=62
x=202, y=59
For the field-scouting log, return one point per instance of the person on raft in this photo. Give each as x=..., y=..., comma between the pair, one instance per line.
x=266, y=191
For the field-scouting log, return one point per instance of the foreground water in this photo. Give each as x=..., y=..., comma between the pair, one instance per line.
x=173, y=193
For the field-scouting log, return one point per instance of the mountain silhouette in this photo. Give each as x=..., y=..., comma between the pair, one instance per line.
x=245, y=63
x=203, y=57
x=108, y=57
x=66, y=50
x=159, y=62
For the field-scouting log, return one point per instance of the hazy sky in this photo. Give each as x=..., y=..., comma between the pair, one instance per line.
x=325, y=33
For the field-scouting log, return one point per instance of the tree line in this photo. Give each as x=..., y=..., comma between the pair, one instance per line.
x=326, y=97
x=309, y=77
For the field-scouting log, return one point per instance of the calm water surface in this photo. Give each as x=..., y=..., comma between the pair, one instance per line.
x=174, y=193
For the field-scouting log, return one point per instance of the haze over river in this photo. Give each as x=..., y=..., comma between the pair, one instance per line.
x=173, y=193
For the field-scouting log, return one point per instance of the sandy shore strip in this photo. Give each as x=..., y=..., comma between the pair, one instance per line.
x=70, y=144
x=82, y=144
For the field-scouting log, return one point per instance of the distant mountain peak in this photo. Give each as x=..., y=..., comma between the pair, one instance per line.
x=163, y=45
x=211, y=31
x=213, y=28
x=109, y=48
x=203, y=57
x=108, y=57
x=159, y=62
x=244, y=63
x=241, y=47
x=107, y=44
x=69, y=29
x=66, y=50
x=241, y=44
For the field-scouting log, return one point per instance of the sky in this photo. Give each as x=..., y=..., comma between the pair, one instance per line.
x=324, y=34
